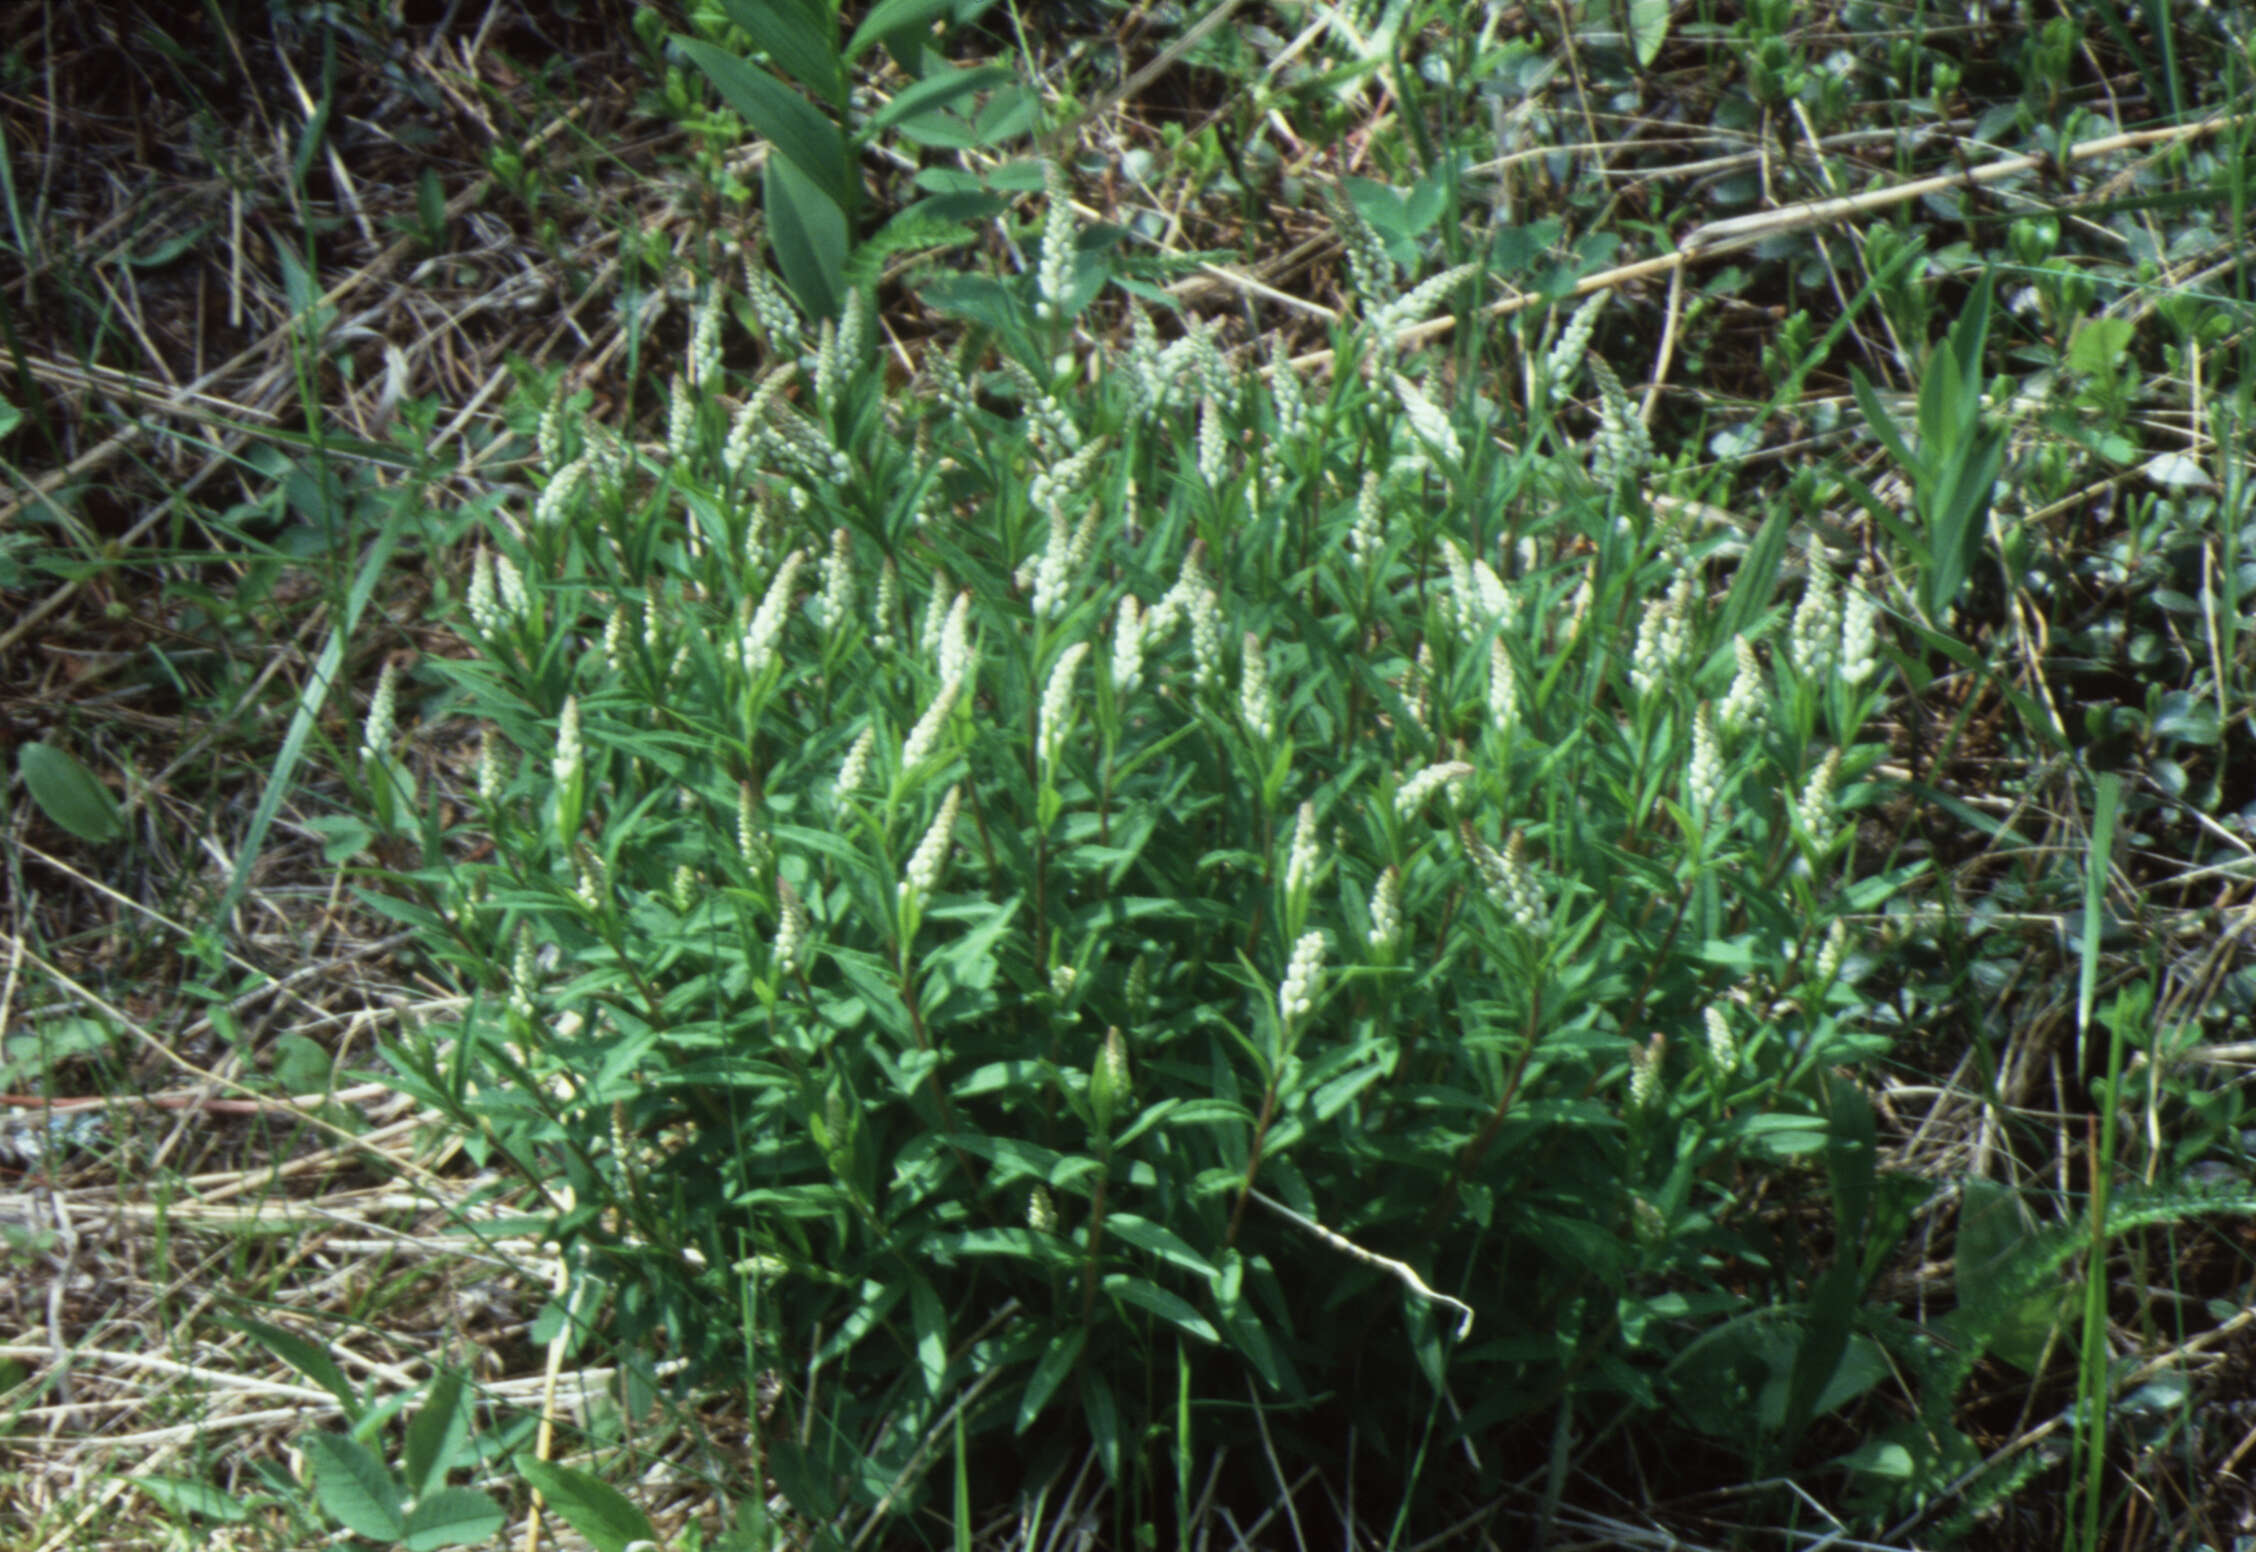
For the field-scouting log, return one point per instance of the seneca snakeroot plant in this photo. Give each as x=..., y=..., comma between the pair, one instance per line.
x=849, y=778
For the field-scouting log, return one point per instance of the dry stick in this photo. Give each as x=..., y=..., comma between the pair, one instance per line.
x=1400, y=1271
x=1717, y=238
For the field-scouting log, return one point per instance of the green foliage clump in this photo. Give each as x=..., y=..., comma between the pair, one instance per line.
x=1122, y=874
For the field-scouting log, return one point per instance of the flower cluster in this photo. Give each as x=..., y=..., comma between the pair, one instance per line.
x=1413, y=305
x=1427, y=421
x=1623, y=448
x=1511, y=881
x=1813, y=810
x=1367, y=538
x=1565, y=360
x=1057, y=702
x=794, y=939
x=925, y=736
x=931, y=855
x=768, y=621
x=1306, y=851
x=855, y=770
x=1742, y=707
x=1663, y=634
x=1503, y=687
x=1815, y=634
x=1411, y=796
x=376, y=732
x=1128, y=645
x=1860, y=653
x=1367, y=262
x=1703, y=773
x=1386, y=912
x=1296, y=998
x=1054, y=276
x=836, y=601
x=1255, y=701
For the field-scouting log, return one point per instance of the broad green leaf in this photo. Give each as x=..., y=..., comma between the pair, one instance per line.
x=1994, y=1232
x=1170, y=1307
x=891, y=16
x=1020, y=1244
x=1009, y=114
x=975, y=299
x=930, y=1318
x=806, y=47
x=2098, y=343
x=1858, y=1367
x=178, y=1495
x=306, y=1356
x=353, y=1488
x=931, y=95
x=807, y=229
x=788, y=122
x=451, y=1517
x=39, y=1049
x=1880, y=422
x=804, y=1480
x=343, y=836
x=437, y=1433
x=68, y=793
x=1050, y=1370
x=1851, y=1164
x=1103, y=1413
x=1648, y=29
x=1156, y=1240
x=590, y=1505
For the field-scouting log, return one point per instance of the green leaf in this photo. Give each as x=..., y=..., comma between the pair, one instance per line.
x=931, y=95
x=975, y=299
x=1755, y=577
x=931, y=1321
x=806, y=1484
x=306, y=1356
x=806, y=48
x=451, y=1517
x=1050, y=1370
x=437, y=1433
x=1008, y=114
x=1156, y=1240
x=178, y=1495
x=39, y=1049
x=68, y=793
x=2186, y=717
x=588, y=1504
x=1851, y=1161
x=780, y=116
x=1994, y=1232
x=343, y=836
x=353, y=1488
x=1103, y=1412
x=1648, y=29
x=807, y=230
x=891, y=16
x=2097, y=344
x=1170, y=1307
x=1881, y=423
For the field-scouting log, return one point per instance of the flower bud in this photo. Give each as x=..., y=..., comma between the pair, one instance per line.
x=1108, y=1083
